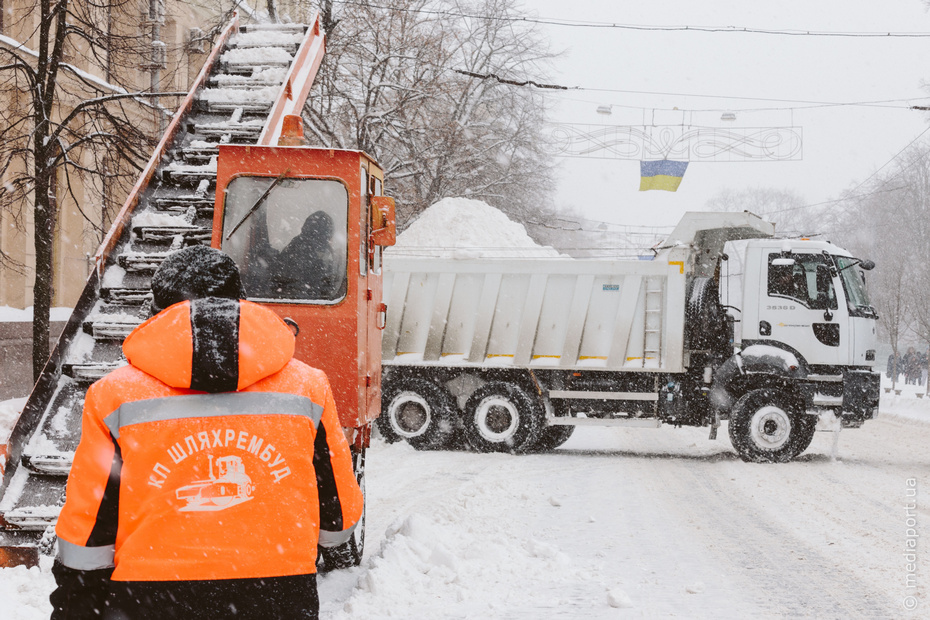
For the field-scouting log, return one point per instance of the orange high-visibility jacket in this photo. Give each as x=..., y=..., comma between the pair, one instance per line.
x=213, y=455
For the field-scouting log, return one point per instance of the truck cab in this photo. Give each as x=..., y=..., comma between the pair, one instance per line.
x=808, y=297
x=804, y=341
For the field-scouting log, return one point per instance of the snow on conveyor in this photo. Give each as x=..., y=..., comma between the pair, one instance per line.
x=465, y=228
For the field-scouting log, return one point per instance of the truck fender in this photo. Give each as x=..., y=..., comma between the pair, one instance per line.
x=758, y=365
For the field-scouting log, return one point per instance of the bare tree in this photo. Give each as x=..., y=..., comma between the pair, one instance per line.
x=65, y=133
x=890, y=293
x=885, y=220
x=910, y=245
x=788, y=210
x=419, y=86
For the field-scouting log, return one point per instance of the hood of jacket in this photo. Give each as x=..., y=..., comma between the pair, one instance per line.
x=211, y=344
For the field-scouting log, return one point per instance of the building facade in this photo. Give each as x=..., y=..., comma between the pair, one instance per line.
x=139, y=46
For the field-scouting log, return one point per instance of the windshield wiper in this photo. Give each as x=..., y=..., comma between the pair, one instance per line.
x=867, y=265
x=258, y=203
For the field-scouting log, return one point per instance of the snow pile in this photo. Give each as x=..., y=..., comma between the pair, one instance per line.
x=464, y=228
x=158, y=219
x=911, y=405
x=9, y=413
x=256, y=56
x=269, y=74
x=465, y=555
x=266, y=38
x=233, y=123
x=240, y=96
x=113, y=277
x=24, y=591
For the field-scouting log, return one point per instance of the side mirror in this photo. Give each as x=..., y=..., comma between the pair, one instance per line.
x=867, y=265
x=383, y=229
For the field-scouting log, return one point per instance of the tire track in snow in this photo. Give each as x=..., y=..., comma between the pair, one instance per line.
x=787, y=576
x=678, y=524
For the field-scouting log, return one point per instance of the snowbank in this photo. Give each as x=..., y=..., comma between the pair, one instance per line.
x=9, y=413
x=464, y=228
x=15, y=315
x=912, y=404
x=24, y=591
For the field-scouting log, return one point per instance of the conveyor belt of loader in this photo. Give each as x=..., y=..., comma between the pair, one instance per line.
x=170, y=207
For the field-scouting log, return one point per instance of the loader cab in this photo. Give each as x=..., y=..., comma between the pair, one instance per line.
x=293, y=246
x=306, y=226
x=808, y=297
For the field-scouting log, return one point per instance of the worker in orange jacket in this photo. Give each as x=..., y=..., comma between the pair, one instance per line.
x=209, y=468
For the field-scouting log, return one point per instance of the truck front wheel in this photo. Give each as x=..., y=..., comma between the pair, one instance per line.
x=418, y=411
x=766, y=427
x=502, y=417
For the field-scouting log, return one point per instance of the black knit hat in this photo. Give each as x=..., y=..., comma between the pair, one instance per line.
x=194, y=273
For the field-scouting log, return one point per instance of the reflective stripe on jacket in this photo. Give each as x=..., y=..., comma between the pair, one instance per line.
x=177, y=478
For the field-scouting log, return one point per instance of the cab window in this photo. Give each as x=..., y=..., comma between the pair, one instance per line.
x=804, y=278
x=289, y=237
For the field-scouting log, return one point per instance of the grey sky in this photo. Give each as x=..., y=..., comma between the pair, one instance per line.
x=842, y=145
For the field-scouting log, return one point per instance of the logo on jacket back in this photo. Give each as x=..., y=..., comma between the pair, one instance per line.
x=230, y=485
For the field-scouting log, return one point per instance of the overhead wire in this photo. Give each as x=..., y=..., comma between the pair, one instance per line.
x=550, y=21
x=549, y=88
x=872, y=104
x=805, y=104
x=854, y=196
x=737, y=98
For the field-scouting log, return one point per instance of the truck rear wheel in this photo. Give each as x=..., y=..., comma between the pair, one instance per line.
x=348, y=554
x=766, y=427
x=418, y=411
x=502, y=417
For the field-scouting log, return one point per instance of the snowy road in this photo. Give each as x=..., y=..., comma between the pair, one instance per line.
x=645, y=523
x=631, y=523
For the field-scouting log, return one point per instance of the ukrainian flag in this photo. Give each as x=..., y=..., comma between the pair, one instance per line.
x=663, y=174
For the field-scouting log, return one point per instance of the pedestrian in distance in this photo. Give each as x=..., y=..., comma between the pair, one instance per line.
x=911, y=363
x=209, y=468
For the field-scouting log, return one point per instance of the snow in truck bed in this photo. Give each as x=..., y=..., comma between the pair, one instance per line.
x=465, y=228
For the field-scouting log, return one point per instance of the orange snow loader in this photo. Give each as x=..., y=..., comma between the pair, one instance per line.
x=306, y=227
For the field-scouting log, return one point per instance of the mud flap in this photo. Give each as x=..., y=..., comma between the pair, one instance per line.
x=861, y=390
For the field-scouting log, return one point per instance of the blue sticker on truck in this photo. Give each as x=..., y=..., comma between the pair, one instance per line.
x=611, y=287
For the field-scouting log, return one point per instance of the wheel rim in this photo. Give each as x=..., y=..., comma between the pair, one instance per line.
x=497, y=419
x=409, y=414
x=770, y=427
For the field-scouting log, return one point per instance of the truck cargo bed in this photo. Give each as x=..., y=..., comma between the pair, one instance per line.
x=535, y=313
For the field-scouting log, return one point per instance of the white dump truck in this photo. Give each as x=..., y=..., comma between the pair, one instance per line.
x=513, y=353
